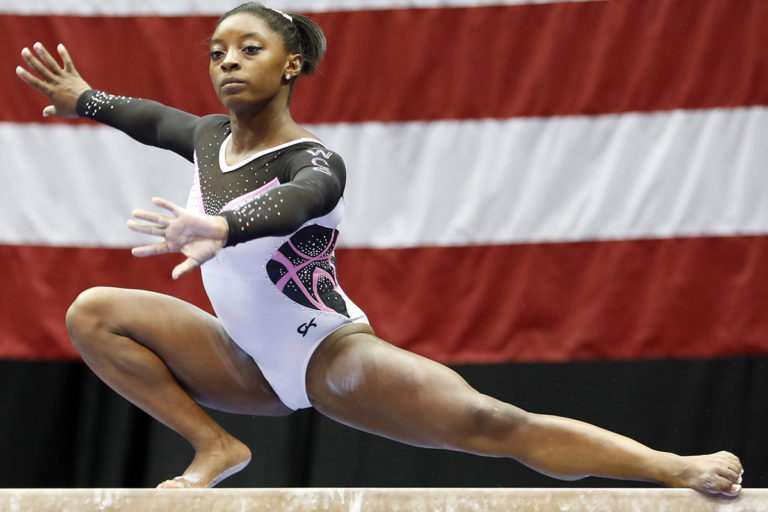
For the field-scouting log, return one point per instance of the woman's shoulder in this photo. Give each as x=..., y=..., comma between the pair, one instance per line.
x=308, y=149
x=212, y=121
x=211, y=124
x=314, y=154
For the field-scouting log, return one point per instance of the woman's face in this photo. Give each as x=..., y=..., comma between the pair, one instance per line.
x=247, y=61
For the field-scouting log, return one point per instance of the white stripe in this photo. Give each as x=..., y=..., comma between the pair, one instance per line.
x=216, y=7
x=77, y=185
x=670, y=174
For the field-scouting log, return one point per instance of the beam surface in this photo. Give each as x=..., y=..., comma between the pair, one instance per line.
x=376, y=500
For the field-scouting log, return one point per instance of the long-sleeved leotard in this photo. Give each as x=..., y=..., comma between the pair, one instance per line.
x=274, y=286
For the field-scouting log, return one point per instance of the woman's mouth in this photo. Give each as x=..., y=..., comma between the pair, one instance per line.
x=231, y=83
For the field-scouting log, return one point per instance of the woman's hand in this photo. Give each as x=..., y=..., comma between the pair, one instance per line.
x=62, y=85
x=197, y=236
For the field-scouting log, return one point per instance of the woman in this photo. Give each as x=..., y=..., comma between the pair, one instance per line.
x=261, y=222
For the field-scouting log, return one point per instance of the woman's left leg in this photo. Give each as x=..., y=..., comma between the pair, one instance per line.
x=366, y=383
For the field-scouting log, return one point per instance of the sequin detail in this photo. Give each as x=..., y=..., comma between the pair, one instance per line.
x=100, y=100
x=304, y=269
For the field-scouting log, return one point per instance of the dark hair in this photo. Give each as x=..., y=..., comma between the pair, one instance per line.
x=300, y=34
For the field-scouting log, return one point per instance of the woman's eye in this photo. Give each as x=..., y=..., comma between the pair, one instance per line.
x=216, y=54
x=251, y=50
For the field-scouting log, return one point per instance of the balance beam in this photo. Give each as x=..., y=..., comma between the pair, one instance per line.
x=376, y=500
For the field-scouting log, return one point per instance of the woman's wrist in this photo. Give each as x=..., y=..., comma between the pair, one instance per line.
x=221, y=229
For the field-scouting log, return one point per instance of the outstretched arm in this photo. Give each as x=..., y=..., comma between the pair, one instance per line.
x=147, y=121
x=313, y=192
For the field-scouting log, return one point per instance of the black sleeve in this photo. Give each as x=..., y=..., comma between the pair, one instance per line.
x=149, y=122
x=315, y=186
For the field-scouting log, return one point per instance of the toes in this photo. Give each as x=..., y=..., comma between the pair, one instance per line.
x=177, y=483
x=733, y=476
x=732, y=460
x=722, y=486
x=733, y=468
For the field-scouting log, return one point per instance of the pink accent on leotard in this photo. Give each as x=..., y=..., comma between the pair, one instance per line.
x=293, y=273
x=250, y=195
x=196, y=193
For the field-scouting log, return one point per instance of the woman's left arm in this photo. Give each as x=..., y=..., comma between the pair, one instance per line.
x=313, y=192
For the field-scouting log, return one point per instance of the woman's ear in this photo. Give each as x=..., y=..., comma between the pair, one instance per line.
x=293, y=67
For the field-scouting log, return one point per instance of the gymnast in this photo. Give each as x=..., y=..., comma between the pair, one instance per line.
x=260, y=222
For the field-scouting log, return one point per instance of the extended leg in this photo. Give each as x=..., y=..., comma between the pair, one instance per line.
x=166, y=356
x=366, y=383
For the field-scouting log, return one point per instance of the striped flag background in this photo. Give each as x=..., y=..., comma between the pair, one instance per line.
x=544, y=189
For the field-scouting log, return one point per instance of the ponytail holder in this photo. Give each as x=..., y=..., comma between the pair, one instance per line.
x=281, y=13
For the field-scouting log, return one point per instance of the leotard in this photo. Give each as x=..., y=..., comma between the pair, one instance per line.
x=274, y=285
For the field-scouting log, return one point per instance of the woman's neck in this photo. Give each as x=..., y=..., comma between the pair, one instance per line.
x=264, y=130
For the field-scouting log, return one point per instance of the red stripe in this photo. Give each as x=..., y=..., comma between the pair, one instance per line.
x=697, y=297
x=686, y=298
x=411, y=64
x=39, y=284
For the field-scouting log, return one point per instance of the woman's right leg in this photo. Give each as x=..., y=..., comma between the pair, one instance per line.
x=166, y=357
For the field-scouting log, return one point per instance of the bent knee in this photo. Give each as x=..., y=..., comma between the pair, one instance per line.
x=89, y=312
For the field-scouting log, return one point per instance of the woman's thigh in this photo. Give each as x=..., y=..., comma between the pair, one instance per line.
x=206, y=362
x=364, y=382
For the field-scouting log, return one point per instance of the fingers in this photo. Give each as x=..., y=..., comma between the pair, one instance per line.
x=31, y=79
x=168, y=205
x=151, y=250
x=157, y=228
x=35, y=63
x=51, y=74
x=47, y=59
x=69, y=66
x=184, y=267
x=158, y=218
x=49, y=69
x=158, y=221
x=147, y=229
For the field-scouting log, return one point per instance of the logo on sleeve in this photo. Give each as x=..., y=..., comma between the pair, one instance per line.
x=320, y=160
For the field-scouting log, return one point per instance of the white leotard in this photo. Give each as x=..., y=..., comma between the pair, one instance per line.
x=278, y=332
x=275, y=286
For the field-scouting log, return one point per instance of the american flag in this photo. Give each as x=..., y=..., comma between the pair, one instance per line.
x=527, y=181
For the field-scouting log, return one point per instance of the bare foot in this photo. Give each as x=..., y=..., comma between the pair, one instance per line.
x=718, y=473
x=209, y=467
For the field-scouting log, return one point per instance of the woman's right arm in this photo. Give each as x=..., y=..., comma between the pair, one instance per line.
x=147, y=121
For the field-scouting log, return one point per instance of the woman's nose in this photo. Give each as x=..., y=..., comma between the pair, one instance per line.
x=230, y=61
